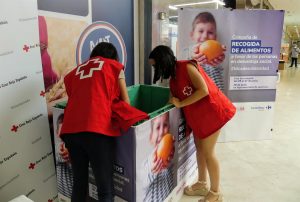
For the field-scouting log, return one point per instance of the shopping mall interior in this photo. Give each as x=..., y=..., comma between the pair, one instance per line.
x=258, y=149
x=267, y=171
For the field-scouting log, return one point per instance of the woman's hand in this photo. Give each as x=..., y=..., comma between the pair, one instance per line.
x=175, y=101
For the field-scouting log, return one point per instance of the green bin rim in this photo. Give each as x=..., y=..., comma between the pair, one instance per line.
x=61, y=105
x=167, y=107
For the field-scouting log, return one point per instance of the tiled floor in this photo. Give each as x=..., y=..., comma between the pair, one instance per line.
x=266, y=171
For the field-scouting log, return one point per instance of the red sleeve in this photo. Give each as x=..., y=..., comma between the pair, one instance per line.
x=67, y=82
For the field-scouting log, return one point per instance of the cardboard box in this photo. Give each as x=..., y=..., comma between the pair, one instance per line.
x=133, y=178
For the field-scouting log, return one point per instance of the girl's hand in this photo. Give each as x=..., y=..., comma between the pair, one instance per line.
x=175, y=101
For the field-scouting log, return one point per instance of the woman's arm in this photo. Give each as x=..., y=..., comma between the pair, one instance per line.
x=200, y=87
x=123, y=89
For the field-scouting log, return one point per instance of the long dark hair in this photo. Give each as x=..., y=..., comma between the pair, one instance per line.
x=165, y=62
x=106, y=50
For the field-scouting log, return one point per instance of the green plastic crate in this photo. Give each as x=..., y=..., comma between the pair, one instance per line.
x=150, y=99
x=61, y=105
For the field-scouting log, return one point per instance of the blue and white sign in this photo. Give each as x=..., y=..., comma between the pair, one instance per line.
x=95, y=33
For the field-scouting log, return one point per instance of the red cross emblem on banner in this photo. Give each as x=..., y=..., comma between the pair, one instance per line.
x=25, y=48
x=14, y=128
x=31, y=166
x=86, y=70
x=42, y=94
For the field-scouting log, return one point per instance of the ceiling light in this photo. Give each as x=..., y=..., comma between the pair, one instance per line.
x=175, y=16
x=172, y=7
x=220, y=2
x=201, y=2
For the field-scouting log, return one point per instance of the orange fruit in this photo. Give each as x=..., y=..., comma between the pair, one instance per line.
x=211, y=49
x=165, y=147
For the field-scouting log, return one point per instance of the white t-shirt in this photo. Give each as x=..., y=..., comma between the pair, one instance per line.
x=122, y=74
x=295, y=51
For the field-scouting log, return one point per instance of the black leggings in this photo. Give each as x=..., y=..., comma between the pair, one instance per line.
x=99, y=150
x=294, y=60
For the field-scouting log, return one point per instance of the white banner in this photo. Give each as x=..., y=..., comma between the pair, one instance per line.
x=252, y=82
x=248, y=74
x=26, y=159
x=257, y=124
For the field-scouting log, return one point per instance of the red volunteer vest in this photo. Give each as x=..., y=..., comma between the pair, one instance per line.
x=92, y=89
x=207, y=115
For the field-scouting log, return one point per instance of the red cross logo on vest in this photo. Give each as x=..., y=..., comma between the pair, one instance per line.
x=86, y=70
x=187, y=90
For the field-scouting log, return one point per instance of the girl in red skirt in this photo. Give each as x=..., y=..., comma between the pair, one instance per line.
x=206, y=110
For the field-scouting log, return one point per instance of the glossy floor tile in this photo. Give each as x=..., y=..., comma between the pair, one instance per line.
x=266, y=171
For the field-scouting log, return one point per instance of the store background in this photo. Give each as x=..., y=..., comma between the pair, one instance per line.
x=268, y=165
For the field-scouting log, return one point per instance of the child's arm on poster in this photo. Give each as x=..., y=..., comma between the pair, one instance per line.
x=201, y=58
x=199, y=84
x=158, y=164
x=64, y=153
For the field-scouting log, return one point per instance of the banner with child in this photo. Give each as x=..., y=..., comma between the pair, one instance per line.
x=239, y=50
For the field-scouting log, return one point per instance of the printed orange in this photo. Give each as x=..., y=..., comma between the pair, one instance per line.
x=211, y=49
x=165, y=147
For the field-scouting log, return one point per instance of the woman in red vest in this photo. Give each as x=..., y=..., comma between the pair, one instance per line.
x=94, y=88
x=206, y=110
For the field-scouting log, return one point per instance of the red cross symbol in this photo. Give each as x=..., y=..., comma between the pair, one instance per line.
x=14, y=128
x=187, y=90
x=26, y=48
x=50, y=200
x=86, y=70
x=31, y=166
x=42, y=94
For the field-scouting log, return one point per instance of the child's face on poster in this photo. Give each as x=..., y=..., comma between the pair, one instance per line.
x=203, y=32
x=160, y=126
